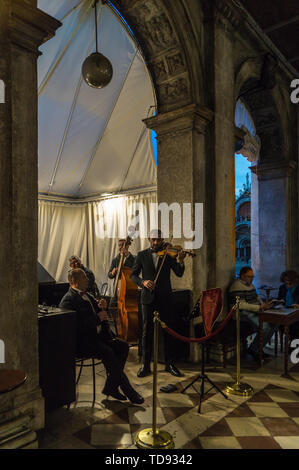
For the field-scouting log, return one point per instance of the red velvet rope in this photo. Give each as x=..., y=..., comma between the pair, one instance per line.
x=203, y=338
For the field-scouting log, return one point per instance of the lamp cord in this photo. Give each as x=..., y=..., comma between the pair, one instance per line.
x=96, y=22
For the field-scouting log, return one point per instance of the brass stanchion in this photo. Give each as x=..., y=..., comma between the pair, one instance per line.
x=153, y=438
x=239, y=388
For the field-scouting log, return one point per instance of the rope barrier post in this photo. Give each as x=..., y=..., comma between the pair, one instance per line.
x=153, y=438
x=239, y=388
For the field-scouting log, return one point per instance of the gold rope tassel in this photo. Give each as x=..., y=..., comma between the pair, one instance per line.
x=239, y=388
x=153, y=438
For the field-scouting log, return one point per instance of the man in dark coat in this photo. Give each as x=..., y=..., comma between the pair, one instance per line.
x=128, y=261
x=92, y=287
x=95, y=339
x=156, y=296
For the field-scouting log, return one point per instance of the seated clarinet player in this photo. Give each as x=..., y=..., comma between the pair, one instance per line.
x=95, y=339
x=92, y=288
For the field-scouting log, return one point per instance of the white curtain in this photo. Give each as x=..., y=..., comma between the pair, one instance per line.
x=91, y=231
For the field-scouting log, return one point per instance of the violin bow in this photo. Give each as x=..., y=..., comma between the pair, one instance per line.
x=161, y=265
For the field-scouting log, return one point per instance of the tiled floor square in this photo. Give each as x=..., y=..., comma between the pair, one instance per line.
x=268, y=409
x=242, y=411
x=218, y=429
x=260, y=442
x=219, y=443
x=173, y=413
x=261, y=396
x=281, y=426
x=291, y=409
x=282, y=395
x=288, y=442
x=144, y=415
x=247, y=427
x=110, y=434
x=175, y=399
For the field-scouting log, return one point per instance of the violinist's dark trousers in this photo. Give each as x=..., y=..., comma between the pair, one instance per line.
x=140, y=323
x=170, y=344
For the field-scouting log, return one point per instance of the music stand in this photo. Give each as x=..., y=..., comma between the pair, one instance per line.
x=203, y=377
x=211, y=307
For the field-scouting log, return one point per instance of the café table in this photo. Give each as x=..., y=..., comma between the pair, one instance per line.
x=11, y=379
x=284, y=316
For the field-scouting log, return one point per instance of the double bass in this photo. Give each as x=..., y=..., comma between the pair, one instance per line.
x=126, y=293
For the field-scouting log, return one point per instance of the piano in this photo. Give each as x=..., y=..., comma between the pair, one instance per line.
x=50, y=292
x=57, y=343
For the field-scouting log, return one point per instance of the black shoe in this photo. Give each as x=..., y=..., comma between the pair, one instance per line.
x=143, y=371
x=135, y=398
x=114, y=394
x=173, y=370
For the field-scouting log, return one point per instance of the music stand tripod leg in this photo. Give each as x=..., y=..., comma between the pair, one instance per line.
x=216, y=386
x=193, y=382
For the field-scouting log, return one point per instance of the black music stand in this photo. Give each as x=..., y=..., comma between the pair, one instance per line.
x=203, y=377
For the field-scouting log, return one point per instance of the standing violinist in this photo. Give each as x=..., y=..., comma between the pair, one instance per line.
x=157, y=296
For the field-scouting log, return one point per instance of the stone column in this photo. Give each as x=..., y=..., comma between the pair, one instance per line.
x=22, y=29
x=273, y=220
x=181, y=178
x=220, y=22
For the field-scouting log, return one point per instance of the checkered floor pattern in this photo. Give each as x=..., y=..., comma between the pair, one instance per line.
x=267, y=420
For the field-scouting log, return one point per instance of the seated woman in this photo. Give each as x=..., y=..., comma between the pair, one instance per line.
x=289, y=292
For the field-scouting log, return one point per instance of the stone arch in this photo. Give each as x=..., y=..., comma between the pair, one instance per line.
x=167, y=45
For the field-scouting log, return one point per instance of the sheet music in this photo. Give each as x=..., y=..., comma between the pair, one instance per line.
x=280, y=310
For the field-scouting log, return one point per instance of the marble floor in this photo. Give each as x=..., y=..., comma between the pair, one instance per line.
x=267, y=420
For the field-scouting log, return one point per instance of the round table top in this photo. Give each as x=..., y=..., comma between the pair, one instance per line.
x=11, y=379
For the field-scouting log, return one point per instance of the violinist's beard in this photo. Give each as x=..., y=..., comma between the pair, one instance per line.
x=155, y=249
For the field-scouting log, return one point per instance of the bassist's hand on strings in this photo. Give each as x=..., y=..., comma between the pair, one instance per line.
x=150, y=285
x=114, y=271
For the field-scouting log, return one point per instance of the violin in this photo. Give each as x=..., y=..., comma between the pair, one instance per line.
x=173, y=251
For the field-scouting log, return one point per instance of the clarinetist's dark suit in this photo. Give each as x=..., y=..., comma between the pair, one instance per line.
x=91, y=343
x=160, y=299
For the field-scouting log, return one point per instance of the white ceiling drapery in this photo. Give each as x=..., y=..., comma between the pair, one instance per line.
x=92, y=141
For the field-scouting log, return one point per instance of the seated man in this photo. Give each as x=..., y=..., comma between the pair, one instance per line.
x=95, y=339
x=250, y=306
x=92, y=287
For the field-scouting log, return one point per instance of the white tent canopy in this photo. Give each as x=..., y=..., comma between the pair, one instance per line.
x=92, y=141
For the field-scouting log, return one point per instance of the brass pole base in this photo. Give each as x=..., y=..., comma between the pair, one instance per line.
x=239, y=388
x=146, y=439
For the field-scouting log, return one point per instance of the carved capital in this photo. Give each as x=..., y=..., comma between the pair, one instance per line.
x=274, y=170
x=217, y=10
x=29, y=27
x=187, y=118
